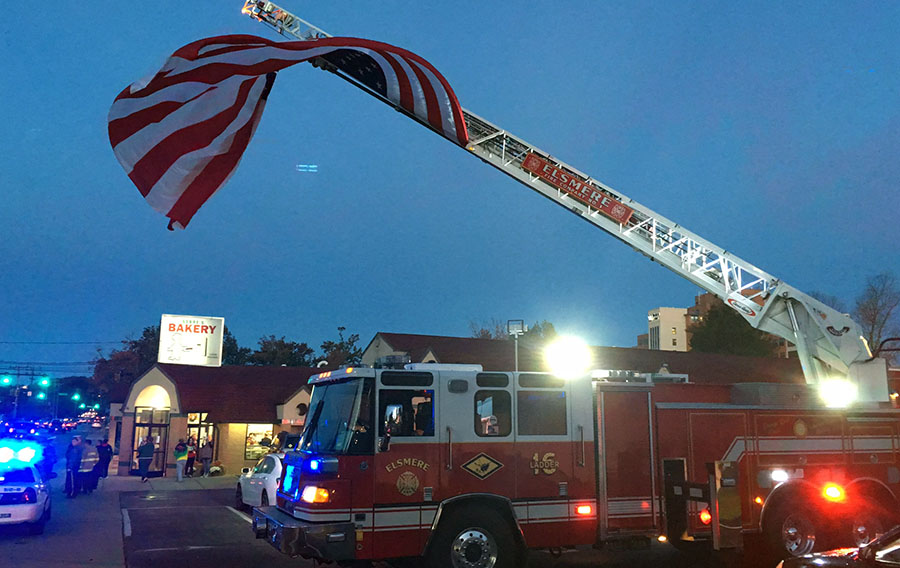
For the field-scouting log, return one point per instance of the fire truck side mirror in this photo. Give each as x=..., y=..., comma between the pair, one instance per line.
x=384, y=443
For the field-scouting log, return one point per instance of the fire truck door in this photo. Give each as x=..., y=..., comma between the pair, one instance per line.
x=407, y=470
x=477, y=437
x=626, y=459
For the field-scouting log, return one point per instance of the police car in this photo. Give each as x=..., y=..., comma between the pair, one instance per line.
x=24, y=494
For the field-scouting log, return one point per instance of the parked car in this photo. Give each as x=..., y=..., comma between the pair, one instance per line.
x=883, y=551
x=24, y=493
x=257, y=486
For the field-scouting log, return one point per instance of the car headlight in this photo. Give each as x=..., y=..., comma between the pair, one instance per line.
x=313, y=494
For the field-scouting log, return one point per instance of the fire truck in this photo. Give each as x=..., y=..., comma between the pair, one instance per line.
x=470, y=468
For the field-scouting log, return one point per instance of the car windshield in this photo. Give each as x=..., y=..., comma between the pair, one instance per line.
x=338, y=417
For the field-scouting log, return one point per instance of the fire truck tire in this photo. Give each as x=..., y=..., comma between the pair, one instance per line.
x=474, y=537
x=868, y=520
x=793, y=529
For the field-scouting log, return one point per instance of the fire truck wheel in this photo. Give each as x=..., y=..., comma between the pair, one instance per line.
x=793, y=529
x=865, y=524
x=474, y=537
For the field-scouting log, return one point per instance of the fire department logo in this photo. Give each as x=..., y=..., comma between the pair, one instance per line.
x=546, y=463
x=407, y=483
x=800, y=429
x=619, y=212
x=482, y=466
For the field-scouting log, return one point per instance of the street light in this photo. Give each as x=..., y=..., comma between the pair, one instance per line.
x=516, y=328
x=568, y=357
x=76, y=396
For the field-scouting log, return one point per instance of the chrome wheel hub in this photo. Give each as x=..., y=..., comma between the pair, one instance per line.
x=798, y=535
x=473, y=548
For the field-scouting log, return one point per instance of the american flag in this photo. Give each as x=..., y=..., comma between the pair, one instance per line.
x=181, y=134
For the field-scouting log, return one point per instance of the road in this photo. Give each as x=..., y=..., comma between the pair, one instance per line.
x=127, y=523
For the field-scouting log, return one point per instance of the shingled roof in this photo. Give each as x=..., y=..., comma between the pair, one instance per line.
x=236, y=393
x=499, y=355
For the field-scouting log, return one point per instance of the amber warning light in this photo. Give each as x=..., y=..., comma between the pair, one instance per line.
x=705, y=516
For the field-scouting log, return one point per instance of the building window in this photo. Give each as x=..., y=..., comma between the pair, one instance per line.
x=674, y=331
x=541, y=413
x=493, y=413
x=258, y=440
x=674, y=342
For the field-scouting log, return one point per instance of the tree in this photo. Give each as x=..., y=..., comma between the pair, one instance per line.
x=343, y=352
x=124, y=365
x=491, y=329
x=232, y=353
x=279, y=351
x=724, y=331
x=539, y=334
x=876, y=309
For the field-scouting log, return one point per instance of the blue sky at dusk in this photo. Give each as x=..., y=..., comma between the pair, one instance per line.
x=771, y=129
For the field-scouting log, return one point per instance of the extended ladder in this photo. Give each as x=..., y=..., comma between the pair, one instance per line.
x=828, y=342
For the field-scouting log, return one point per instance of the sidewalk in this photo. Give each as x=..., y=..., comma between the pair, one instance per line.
x=119, y=483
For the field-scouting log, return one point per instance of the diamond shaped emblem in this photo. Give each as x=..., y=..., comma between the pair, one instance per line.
x=482, y=466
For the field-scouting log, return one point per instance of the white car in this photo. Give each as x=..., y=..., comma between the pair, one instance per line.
x=24, y=495
x=257, y=486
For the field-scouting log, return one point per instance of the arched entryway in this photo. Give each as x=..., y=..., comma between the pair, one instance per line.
x=151, y=419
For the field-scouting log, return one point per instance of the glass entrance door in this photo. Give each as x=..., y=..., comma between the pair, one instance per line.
x=155, y=424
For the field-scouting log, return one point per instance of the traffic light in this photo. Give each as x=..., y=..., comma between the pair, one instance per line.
x=6, y=380
x=97, y=406
x=82, y=405
x=76, y=396
x=42, y=395
x=44, y=381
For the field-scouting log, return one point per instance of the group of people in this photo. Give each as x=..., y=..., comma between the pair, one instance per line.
x=86, y=465
x=186, y=454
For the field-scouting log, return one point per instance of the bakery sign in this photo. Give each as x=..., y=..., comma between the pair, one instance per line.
x=578, y=188
x=191, y=340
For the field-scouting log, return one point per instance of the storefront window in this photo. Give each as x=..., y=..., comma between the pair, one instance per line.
x=259, y=438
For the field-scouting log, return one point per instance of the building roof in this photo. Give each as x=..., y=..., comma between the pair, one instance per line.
x=234, y=393
x=499, y=355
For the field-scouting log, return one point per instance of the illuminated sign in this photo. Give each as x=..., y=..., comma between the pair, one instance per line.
x=578, y=188
x=191, y=340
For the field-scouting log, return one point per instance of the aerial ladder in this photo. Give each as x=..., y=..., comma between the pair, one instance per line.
x=830, y=345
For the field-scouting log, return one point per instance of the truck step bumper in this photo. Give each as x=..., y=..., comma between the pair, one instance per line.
x=328, y=541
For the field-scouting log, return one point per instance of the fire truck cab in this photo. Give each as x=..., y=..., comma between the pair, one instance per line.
x=436, y=461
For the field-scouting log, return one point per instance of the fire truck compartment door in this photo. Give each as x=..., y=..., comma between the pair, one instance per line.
x=626, y=459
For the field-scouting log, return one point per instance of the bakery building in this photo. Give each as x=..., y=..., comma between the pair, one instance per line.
x=237, y=409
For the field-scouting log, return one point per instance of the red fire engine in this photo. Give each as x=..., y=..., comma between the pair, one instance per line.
x=469, y=468
x=447, y=461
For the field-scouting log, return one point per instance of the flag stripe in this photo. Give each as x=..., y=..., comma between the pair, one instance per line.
x=180, y=135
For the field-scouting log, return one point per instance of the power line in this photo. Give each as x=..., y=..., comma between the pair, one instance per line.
x=55, y=342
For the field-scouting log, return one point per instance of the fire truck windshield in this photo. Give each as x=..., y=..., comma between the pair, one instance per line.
x=342, y=423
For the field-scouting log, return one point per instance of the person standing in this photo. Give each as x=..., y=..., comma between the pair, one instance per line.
x=191, y=456
x=89, y=460
x=73, y=462
x=145, y=456
x=180, y=459
x=206, y=455
x=105, y=452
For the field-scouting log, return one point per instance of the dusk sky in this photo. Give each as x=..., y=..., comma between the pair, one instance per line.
x=771, y=129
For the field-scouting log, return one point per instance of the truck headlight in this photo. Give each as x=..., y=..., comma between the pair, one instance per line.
x=313, y=494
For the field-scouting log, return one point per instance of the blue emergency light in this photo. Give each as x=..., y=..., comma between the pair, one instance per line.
x=12, y=451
